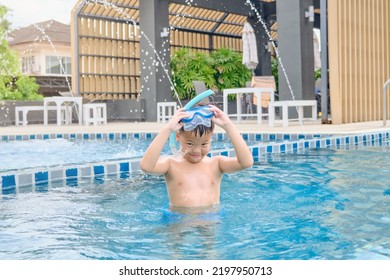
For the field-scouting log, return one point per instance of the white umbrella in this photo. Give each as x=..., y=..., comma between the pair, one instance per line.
x=317, y=56
x=249, y=47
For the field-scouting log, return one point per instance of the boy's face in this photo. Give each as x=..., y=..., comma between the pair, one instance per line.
x=195, y=148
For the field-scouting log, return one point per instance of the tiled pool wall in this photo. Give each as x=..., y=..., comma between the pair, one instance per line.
x=145, y=135
x=71, y=175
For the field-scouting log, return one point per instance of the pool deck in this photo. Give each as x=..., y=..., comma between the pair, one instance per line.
x=246, y=126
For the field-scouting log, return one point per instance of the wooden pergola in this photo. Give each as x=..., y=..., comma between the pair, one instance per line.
x=106, y=39
x=121, y=48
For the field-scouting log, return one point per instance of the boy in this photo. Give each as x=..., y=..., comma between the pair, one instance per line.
x=194, y=179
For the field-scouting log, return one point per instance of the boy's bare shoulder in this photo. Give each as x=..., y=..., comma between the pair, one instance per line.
x=216, y=160
x=219, y=158
x=173, y=159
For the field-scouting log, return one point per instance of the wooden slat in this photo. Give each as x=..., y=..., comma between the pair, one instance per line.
x=358, y=58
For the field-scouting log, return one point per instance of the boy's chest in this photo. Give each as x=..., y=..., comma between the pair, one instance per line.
x=204, y=174
x=194, y=186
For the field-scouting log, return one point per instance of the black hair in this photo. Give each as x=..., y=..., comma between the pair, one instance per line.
x=201, y=129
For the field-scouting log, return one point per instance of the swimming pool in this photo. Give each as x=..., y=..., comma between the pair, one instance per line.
x=36, y=159
x=34, y=153
x=315, y=204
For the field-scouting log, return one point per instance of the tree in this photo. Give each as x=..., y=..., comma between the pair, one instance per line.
x=9, y=61
x=13, y=85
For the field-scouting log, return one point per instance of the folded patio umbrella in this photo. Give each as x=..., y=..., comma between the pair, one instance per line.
x=317, y=56
x=249, y=47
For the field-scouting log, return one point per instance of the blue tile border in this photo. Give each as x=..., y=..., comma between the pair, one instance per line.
x=41, y=177
x=7, y=181
x=124, y=167
x=149, y=135
x=70, y=175
x=98, y=169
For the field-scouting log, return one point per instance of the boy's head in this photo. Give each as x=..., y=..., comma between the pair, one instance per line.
x=195, y=139
x=199, y=122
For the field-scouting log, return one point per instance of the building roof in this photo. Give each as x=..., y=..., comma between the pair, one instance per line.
x=50, y=30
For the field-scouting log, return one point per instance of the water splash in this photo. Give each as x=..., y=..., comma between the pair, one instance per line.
x=253, y=8
x=129, y=19
x=159, y=61
x=190, y=3
x=260, y=20
x=47, y=38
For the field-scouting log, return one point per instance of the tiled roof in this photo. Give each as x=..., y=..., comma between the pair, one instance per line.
x=51, y=30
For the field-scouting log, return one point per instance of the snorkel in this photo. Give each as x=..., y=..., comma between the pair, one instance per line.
x=193, y=101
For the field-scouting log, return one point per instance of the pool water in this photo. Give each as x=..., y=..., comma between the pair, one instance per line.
x=321, y=204
x=17, y=155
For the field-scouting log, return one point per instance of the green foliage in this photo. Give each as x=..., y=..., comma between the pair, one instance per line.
x=188, y=66
x=5, y=89
x=317, y=74
x=275, y=71
x=21, y=88
x=13, y=86
x=28, y=88
x=230, y=72
x=4, y=23
x=221, y=69
x=9, y=61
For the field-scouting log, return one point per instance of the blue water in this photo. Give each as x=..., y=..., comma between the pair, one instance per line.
x=38, y=153
x=16, y=155
x=323, y=204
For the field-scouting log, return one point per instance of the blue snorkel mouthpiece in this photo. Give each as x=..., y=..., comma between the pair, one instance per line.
x=193, y=101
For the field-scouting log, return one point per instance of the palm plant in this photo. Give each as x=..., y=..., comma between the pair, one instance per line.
x=220, y=69
x=230, y=72
x=188, y=66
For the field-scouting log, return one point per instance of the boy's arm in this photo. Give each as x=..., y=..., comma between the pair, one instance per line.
x=151, y=162
x=243, y=157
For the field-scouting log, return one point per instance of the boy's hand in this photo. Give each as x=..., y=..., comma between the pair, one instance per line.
x=220, y=118
x=175, y=123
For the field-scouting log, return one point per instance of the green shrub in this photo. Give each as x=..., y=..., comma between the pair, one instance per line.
x=275, y=71
x=220, y=69
x=13, y=85
x=188, y=66
x=20, y=88
x=317, y=74
x=230, y=72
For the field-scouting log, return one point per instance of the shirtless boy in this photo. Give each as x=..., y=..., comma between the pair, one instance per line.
x=194, y=179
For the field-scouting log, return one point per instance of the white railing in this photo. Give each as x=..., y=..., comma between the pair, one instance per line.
x=385, y=102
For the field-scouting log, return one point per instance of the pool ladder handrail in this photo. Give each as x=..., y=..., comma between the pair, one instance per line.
x=385, y=102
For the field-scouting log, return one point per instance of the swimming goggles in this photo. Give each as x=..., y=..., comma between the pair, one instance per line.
x=198, y=115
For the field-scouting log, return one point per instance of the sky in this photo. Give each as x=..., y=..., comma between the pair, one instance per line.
x=27, y=12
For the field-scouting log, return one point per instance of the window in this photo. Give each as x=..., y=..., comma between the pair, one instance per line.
x=28, y=64
x=58, y=65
